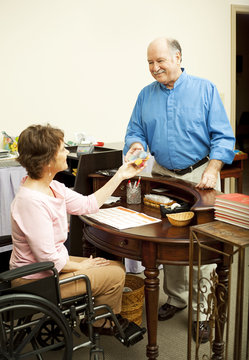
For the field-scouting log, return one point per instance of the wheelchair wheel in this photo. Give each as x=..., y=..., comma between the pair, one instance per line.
x=22, y=317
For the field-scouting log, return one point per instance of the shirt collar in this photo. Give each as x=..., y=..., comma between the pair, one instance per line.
x=181, y=78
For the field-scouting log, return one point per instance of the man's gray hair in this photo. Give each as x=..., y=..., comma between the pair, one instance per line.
x=175, y=47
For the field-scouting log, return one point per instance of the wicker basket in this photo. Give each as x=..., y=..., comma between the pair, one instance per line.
x=132, y=301
x=180, y=219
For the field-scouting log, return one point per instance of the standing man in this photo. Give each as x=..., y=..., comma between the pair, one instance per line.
x=183, y=122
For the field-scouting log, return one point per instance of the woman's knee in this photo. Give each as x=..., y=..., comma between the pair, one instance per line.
x=117, y=269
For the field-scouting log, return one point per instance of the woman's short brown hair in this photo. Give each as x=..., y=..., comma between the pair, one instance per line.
x=37, y=146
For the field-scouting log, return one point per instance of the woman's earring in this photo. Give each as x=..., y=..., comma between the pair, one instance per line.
x=49, y=174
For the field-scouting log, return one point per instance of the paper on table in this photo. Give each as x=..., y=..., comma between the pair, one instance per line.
x=122, y=218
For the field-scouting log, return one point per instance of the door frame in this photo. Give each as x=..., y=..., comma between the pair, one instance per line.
x=235, y=9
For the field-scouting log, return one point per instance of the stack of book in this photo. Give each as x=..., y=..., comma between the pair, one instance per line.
x=233, y=209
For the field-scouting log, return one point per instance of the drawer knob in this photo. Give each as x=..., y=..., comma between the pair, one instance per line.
x=123, y=243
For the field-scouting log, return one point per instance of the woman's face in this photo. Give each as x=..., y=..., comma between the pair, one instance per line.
x=60, y=159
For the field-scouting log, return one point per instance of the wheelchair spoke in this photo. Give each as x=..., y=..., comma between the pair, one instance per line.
x=31, y=333
x=50, y=334
x=3, y=338
x=20, y=337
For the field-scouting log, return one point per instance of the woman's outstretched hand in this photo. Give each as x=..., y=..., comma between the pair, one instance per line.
x=130, y=169
x=126, y=171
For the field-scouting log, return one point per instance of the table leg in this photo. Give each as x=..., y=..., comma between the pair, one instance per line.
x=190, y=296
x=239, y=306
x=151, y=289
x=222, y=297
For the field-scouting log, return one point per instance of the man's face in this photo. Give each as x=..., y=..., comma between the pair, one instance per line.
x=163, y=65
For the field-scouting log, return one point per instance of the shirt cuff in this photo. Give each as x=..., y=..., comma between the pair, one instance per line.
x=223, y=154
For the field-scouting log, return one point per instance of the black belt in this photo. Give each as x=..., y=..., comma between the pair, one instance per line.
x=191, y=168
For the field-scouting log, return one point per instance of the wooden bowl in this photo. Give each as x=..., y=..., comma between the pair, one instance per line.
x=180, y=219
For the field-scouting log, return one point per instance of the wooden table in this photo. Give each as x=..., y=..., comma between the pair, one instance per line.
x=160, y=243
x=235, y=239
x=234, y=170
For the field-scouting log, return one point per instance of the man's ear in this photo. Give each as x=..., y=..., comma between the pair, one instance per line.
x=178, y=57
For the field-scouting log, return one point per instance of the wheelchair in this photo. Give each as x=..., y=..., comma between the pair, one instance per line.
x=34, y=320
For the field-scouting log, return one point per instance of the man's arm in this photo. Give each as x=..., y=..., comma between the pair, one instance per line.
x=135, y=138
x=222, y=141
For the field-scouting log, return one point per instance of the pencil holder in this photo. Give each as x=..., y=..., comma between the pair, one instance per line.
x=133, y=193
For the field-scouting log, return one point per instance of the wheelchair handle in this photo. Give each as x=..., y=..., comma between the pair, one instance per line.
x=26, y=270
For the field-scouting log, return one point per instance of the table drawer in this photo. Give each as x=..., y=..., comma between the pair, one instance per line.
x=117, y=245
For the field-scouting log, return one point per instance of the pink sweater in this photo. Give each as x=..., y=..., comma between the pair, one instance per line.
x=40, y=227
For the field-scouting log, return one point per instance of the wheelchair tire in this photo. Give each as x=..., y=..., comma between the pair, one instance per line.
x=19, y=335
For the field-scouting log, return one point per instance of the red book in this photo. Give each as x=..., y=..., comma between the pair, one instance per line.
x=235, y=200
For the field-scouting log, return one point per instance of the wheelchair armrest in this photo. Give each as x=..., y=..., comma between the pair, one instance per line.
x=26, y=270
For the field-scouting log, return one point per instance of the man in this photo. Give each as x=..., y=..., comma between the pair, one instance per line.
x=182, y=120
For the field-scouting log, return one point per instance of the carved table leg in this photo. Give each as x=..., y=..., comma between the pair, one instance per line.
x=222, y=299
x=151, y=298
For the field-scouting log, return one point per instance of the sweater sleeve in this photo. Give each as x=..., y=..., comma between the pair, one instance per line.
x=77, y=204
x=33, y=234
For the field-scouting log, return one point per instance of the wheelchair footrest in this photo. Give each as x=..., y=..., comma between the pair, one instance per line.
x=133, y=334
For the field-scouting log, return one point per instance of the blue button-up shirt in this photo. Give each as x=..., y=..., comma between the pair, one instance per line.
x=181, y=125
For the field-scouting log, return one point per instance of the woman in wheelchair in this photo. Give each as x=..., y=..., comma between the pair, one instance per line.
x=39, y=221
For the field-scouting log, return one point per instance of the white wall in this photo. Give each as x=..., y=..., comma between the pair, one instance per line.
x=79, y=64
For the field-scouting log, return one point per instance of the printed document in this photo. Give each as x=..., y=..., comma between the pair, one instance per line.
x=122, y=218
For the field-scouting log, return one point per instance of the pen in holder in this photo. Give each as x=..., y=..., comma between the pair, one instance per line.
x=133, y=193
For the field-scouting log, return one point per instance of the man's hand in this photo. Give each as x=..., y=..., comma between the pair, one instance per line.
x=135, y=147
x=210, y=175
